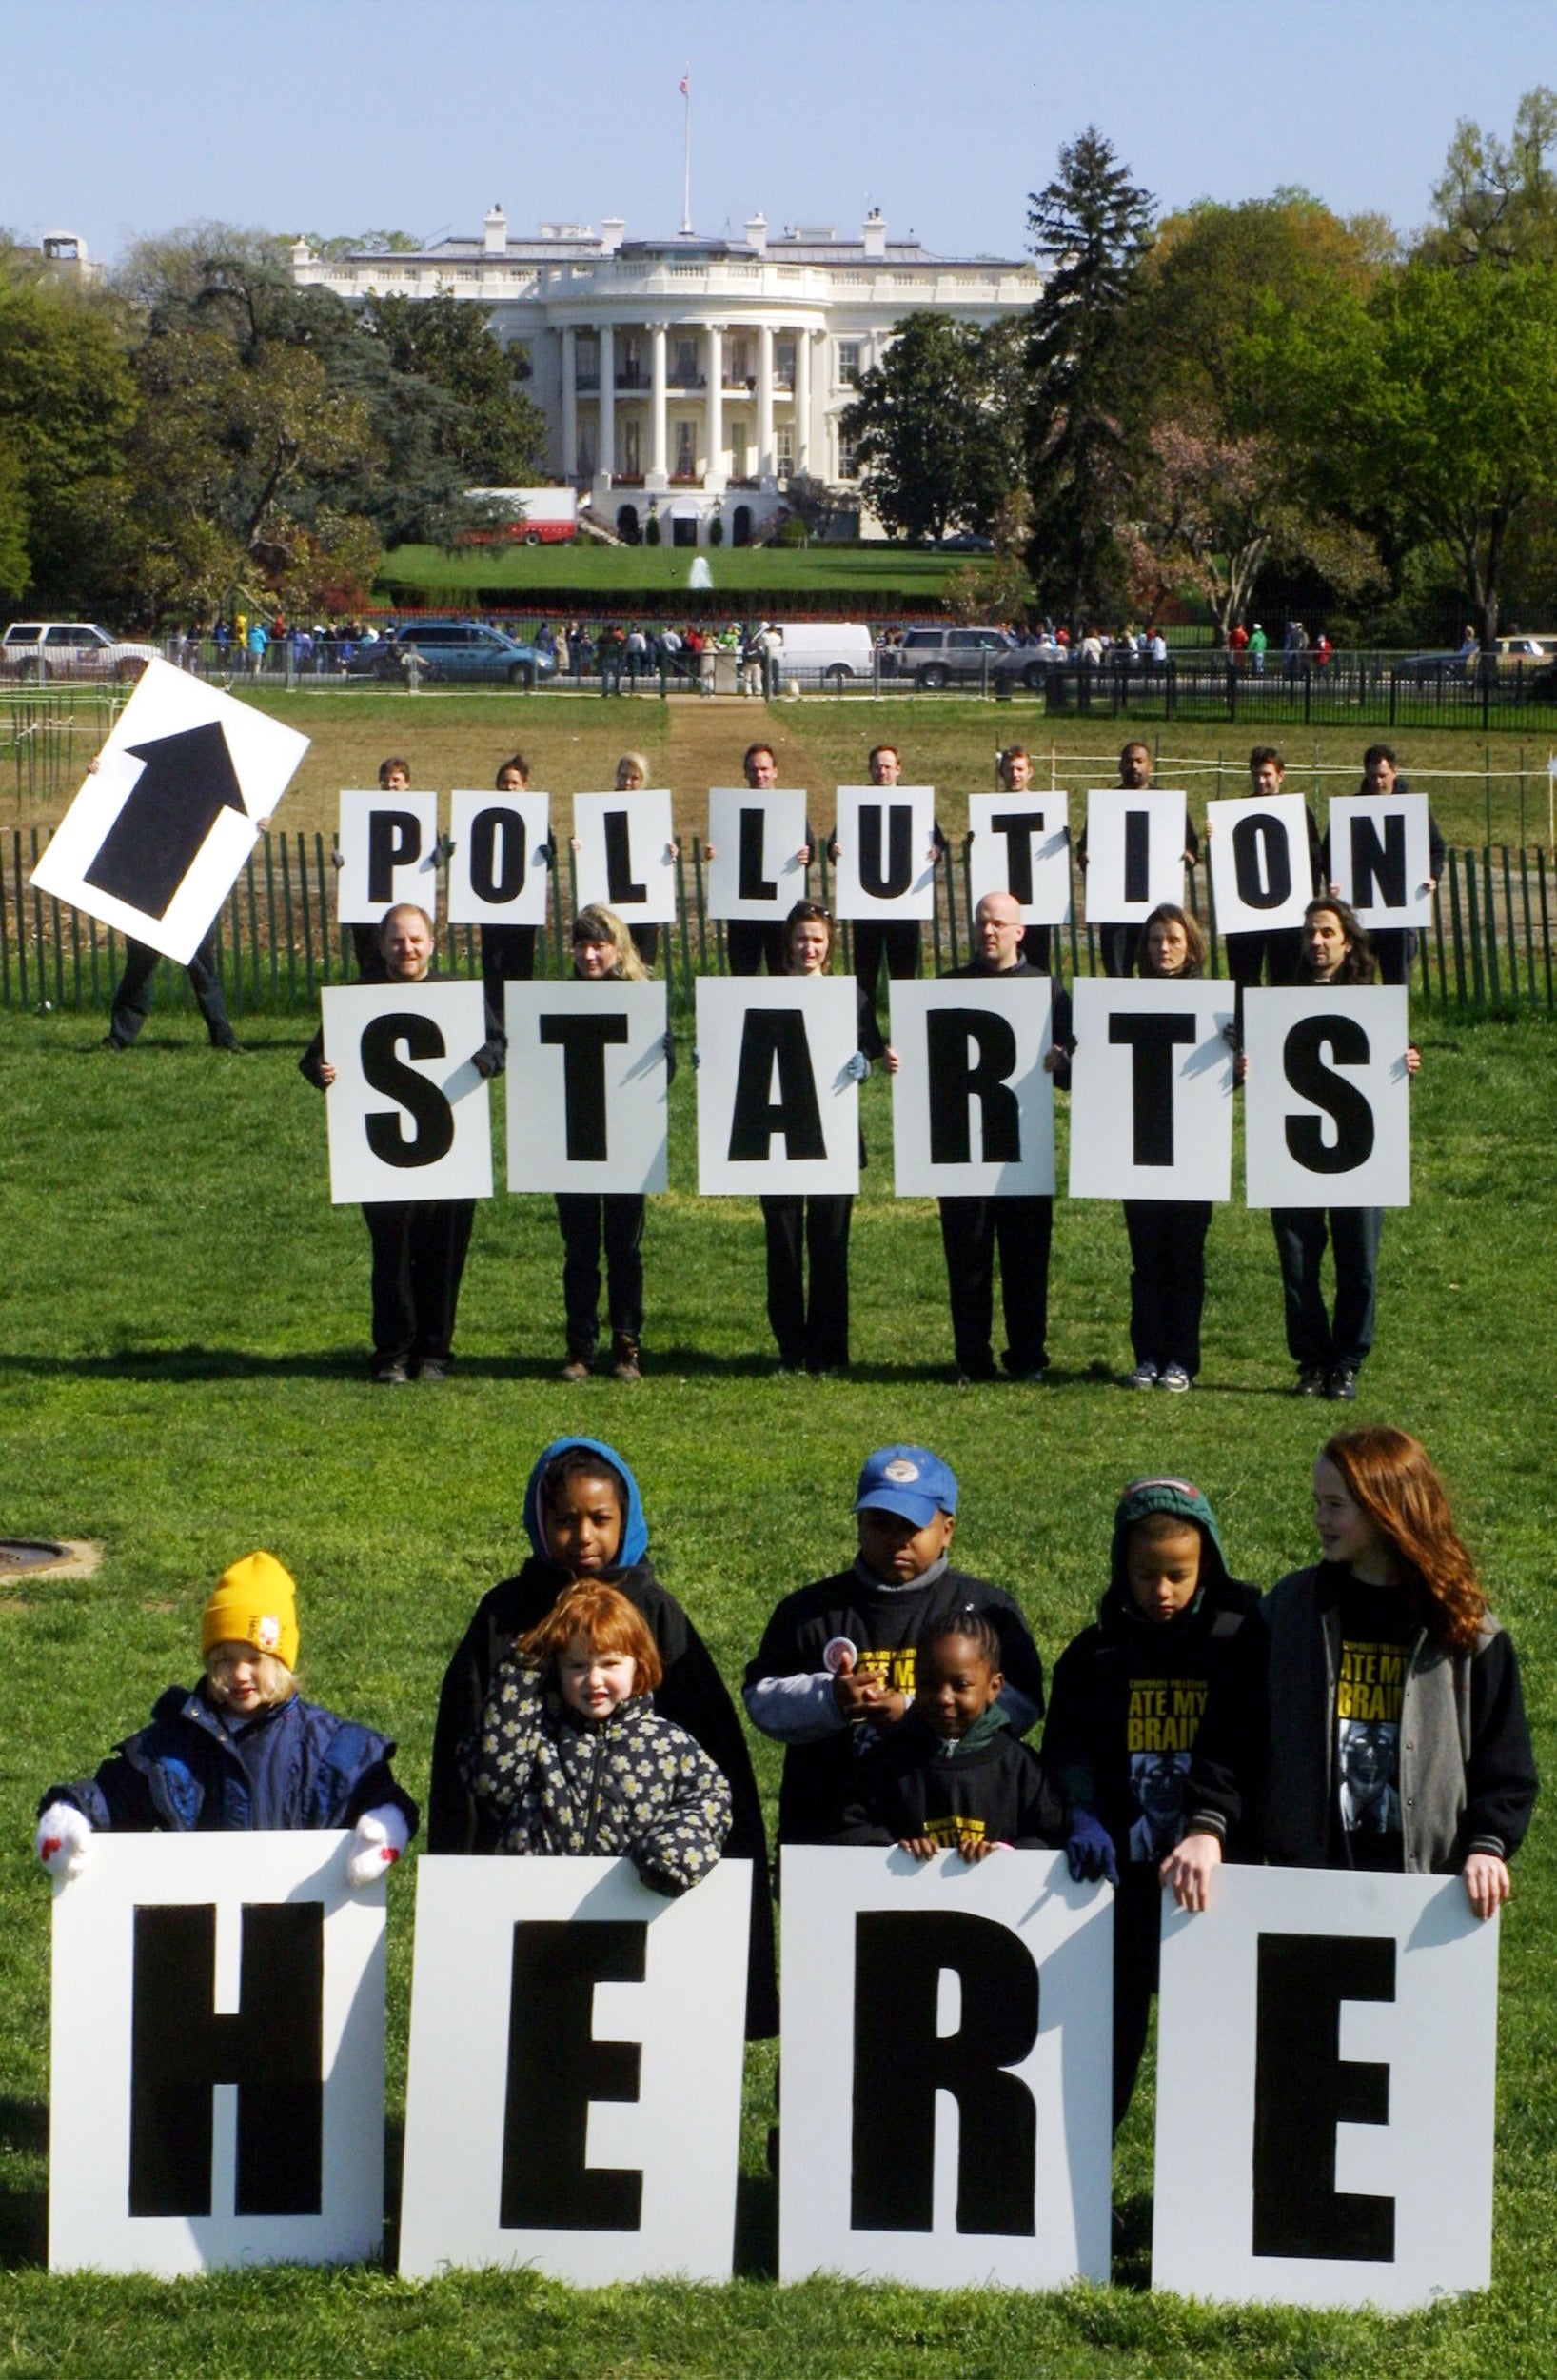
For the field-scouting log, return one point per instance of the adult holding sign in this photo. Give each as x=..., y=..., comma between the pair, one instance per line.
x=385, y=850
x=1145, y=849
x=627, y=854
x=1327, y=1347
x=752, y=943
x=419, y=1244
x=585, y=1520
x=1390, y=1734
x=885, y=866
x=1383, y=852
x=131, y=1002
x=1261, y=873
x=1022, y=845
x=501, y=855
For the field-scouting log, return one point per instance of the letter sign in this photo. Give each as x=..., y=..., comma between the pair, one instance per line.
x=497, y=872
x=1021, y=846
x=1327, y=1096
x=408, y=1109
x=1135, y=853
x=755, y=839
x=777, y=1108
x=389, y=853
x=626, y=855
x=972, y=1111
x=1261, y=873
x=587, y=1086
x=885, y=868
x=1151, y=1090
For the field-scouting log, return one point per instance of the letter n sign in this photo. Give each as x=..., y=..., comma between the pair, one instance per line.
x=1309, y=2151
x=574, y=2097
x=934, y=2130
x=218, y=2055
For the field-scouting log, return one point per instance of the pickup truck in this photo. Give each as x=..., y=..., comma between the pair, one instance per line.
x=42, y=650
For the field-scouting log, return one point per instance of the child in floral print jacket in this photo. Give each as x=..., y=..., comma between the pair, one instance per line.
x=569, y=1757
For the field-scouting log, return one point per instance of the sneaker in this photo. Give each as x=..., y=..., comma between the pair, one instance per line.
x=1342, y=1384
x=1313, y=1380
x=624, y=1363
x=432, y=1368
x=577, y=1366
x=1174, y=1376
x=1144, y=1376
x=391, y=1375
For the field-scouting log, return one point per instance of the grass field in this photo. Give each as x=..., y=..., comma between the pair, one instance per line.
x=623, y=571
x=182, y=1375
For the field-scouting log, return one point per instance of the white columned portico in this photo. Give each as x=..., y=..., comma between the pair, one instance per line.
x=605, y=458
x=765, y=472
x=716, y=476
x=570, y=403
x=657, y=437
x=803, y=400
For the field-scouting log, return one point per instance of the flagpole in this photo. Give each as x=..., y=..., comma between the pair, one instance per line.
x=686, y=154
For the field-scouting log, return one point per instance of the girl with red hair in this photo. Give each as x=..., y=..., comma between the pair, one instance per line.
x=1392, y=1733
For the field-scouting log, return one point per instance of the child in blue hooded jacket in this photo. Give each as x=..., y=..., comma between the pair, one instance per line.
x=585, y=1520
x=1126, y=1703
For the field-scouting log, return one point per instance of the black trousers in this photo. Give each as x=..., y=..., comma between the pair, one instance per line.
x=1167, y=1278
x=1120, y=946
x=896, y=939
x=646, y=943
x=751, y=942
x=132, y=998
x=1395, y=947
x=812, y=1330
x=1033, y=947
x=418, y=1259
x=1137, y=1934
x=1315, y=1338
x=507, y=957
x=368, y=952
x=588, y=1221
x=970, y=1231
x=1277, y=955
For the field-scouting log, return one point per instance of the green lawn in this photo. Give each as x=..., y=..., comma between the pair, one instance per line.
x=621, y=572
x=182, y=1373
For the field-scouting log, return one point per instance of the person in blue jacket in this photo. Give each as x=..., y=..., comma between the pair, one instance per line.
x=241, y=1750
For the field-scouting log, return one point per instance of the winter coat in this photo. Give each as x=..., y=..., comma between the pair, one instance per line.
x=989, y=1786
x=294, y=1765
x=556, y=1784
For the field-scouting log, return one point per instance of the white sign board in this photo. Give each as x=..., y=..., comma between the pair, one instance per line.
x=497, y=869
x=778, y=1109
x=946, y=2063
x=972, y=1111
x=1326, y=2138
x=1021, y=846
x=156, y=836
x=626, y=855
x=389, y=845
x=755, y=839
x=1380, y=862
x=1327, y=1117
x=408, y=1110
x=587, y=1086
x=217, y=2055
x=1261, y=871
x=1151, y=1089
x=573, y=2096
x=886, y=861
x=1135, y=853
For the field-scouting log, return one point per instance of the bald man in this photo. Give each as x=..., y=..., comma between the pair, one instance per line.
x=1020, y=1228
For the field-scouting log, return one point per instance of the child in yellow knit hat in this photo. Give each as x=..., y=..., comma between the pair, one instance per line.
x=241, y=1750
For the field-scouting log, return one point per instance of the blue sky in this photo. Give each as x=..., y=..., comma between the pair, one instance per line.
x=126, y=117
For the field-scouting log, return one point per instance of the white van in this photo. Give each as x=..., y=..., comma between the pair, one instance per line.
x=822, y=649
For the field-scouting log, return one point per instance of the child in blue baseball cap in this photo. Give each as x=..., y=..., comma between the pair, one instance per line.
x=835, y=1672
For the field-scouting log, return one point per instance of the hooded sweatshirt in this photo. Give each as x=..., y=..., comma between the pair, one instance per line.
x=1129, y=1693
x=986, y=1785
x=691, y=1694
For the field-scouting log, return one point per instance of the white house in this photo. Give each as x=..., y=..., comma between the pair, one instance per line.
x=691, y=374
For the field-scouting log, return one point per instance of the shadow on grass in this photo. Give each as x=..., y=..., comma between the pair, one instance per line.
x=1133, y=2242
x=24, y=2213
x=757, y=2226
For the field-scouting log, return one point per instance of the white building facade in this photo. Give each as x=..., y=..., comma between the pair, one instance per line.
x=691, y=377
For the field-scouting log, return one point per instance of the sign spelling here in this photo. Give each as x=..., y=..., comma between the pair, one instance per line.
x=217, y=2055
x=408, y=1109
x=1021, y=846
x=498, y=851
x=946, y=2063
x=573, y=2101
x=388, y=845
x=154, y=839
x=885, y=865
x=587, y=1086
x=1328, y=1098
x=1135, y=853
x=1261, y=873
x=755, y=839
x=1328, y=2139
x=1380, y=861
x=626, y=854
x=778, y=1109
x=972, y=1111
x=1151, y=1090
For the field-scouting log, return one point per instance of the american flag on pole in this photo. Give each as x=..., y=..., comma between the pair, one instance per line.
x=685, y=86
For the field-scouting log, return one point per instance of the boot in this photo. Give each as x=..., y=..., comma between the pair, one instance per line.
x=577, y=1366
x=624, y=1364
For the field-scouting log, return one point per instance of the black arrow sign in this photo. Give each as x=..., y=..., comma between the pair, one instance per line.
x=187, y=782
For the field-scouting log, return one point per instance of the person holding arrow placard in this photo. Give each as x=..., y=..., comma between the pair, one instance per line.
x=132, y=994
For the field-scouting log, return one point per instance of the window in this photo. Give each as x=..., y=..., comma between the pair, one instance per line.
x=739, y=432
x=783, y=438
x=630, y=366
x=586, y=453
x=586, y=363
x=684, y=370
x=737, y=365
x=847, y=362
x=848, y=463
x=631, y=452
x=686, y=449
x=784, y=364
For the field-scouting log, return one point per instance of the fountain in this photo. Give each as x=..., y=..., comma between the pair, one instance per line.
x=699, y=578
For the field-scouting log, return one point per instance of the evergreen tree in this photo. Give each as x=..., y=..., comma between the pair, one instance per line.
x=1092, y=226
x=934, y=427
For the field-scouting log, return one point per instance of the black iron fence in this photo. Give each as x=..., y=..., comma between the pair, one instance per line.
x=1488, y=951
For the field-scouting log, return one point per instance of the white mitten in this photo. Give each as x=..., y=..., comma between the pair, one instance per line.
x=64, y=1840
x=857, y=1065
x=378, y=1840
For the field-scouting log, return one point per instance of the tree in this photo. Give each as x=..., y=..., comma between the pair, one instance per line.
x=495, y=433
x=1092, y=226
x=934, y=426
x=67, y=404
x=1497, y=202
x=15, y=567
x=997, y=590
x=1436, y=409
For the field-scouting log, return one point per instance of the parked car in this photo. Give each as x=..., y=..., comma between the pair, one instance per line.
x=71, y=649
x=940, y=657
x=454, y=652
